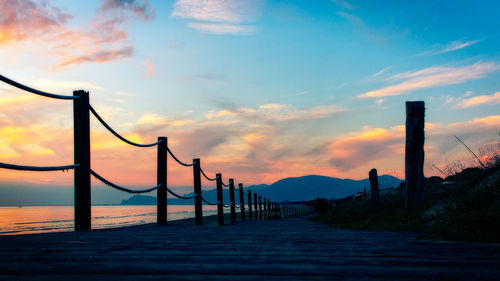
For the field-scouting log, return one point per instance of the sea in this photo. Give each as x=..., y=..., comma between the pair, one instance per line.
x=40, y=219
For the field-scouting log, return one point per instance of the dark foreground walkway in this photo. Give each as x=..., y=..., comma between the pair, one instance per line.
x=290, y=249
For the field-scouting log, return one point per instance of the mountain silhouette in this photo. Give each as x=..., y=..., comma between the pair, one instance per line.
x=288, y=189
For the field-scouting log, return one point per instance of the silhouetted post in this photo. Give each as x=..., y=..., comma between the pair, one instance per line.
x=364, y=194
x=260, y=208
x=250, y=205
x=220, y=202
x=414, y=157
x=264, y=216
x=255, y=203
x=231, y=197
x=81, y=125
x=242, y=202
x=269, y=210
x=198, y=211
x=161, y=179
x=374, y=185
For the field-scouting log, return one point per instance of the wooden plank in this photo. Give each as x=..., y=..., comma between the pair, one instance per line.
x=246, y=249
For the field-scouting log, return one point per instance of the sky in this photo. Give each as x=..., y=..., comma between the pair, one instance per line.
x=259, y=90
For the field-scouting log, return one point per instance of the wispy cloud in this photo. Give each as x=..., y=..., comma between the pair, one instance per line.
x=480, y=100
x=140, y=8
x=222, y=28
x=351, y=18
x=343, y=4
x=432, y=77
x=99, y=56
x=378, y=73
x=450, y=47
x=218, y=16
x=278, y=112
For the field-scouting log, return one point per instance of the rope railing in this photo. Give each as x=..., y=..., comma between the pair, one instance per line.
x=179, y=196
x=105, y=181
x=34, y=91
x=118, y=135
x=205, y=175
x=82, y=110
x=37, y=168
x=177, y=159
x=204, y=200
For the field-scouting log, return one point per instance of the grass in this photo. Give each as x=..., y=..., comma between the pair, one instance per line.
x=463, y=207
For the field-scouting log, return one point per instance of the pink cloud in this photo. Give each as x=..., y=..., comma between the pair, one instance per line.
x=150, y=68
x=99, y=56
x=22, y=19
x=103, y=39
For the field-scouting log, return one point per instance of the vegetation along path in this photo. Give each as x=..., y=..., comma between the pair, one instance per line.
x=288, y=249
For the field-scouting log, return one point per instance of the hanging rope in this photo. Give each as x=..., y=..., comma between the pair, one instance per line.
x=210, y=179
x=118, y=135
x=181, y=197
x=35, y=168
x=120, y=187
x=37, y=92
x=208, y=202
x=177, y=160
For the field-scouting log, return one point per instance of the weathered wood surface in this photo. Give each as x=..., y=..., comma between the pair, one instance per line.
x=289, y=249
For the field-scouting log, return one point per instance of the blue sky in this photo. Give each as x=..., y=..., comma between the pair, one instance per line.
x=260, y=89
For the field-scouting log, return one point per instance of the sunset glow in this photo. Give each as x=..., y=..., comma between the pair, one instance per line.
x=259, y=90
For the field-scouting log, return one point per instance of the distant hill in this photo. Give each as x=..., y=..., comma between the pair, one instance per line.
x=140, y=200
x=288, y=189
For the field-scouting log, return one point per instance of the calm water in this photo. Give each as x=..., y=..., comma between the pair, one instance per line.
x=38, y=219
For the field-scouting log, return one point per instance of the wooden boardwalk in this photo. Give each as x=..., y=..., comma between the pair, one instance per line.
x=289, y=249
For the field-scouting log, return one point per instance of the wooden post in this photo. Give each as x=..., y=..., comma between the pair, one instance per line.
x=161, y=178
x=250, y=205
x=260, y=208
x=81, y=125
x=255, y=203
x=264, y=216
x=242, y=202
x=269, y=210
x=414, y=153
x=374, y=185
x=220, y=200
x=231, y=197
x=198, y=211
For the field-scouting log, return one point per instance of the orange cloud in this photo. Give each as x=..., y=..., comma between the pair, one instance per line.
x=480, y=100
x=365, y=147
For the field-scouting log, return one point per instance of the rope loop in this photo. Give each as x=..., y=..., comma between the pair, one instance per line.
x=34, y=91
x=177, y=159
x=210, y=179
x=105, y=181
x=204, y=200
x=181, y=197
x=118, y=135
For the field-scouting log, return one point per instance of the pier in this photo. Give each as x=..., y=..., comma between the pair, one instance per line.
x=287, y=249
